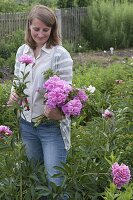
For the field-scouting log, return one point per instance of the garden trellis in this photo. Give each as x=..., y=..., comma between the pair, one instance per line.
x=69, y=22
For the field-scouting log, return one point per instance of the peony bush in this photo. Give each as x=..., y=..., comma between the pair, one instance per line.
x=100, y=159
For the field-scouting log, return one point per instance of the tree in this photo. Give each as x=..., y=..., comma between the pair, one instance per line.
x=70, y=3
x=66, y=3
x=61, y=3
x=83, y=3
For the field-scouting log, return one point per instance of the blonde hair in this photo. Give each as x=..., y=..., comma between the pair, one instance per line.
x=47, y=16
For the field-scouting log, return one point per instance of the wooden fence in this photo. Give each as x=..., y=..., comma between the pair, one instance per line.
x=69, y=22
x=11, y=22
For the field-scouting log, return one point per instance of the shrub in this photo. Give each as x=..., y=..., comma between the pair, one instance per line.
x=108, y=25
x=9, y=49
x=2, y=62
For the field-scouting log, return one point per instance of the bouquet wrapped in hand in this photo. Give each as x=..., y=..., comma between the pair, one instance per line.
x=59, y=94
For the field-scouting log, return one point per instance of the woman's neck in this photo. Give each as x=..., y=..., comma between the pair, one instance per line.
x=37, y=51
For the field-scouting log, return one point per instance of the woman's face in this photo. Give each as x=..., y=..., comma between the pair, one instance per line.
x=40, y=32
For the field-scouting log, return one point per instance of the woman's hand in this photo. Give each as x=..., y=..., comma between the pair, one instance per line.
x=12, y=99
x=54, y=113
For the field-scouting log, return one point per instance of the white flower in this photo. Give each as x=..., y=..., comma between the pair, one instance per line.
x=105, y=51
x=91, y=89
x=112, y=50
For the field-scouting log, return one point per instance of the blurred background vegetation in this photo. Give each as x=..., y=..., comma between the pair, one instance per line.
x=22, y=5
x=108, y=23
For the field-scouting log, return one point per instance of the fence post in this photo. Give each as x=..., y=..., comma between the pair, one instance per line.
x=59, y=20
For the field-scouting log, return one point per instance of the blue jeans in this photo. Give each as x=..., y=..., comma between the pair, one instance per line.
x=44, y=143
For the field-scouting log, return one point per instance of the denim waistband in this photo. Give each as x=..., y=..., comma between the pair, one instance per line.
x=47, y=123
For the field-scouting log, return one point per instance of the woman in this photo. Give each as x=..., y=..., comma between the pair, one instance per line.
x=47, y=143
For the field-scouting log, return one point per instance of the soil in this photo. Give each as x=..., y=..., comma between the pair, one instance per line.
x=103, y=58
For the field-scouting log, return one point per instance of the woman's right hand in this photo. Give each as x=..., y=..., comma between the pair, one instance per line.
x=12, y=99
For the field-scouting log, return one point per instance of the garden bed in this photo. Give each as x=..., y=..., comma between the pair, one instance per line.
x=97, y=57
x=104, y=59
x=97, y=142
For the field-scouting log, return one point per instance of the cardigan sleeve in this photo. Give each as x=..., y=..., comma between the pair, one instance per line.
x=63, y=64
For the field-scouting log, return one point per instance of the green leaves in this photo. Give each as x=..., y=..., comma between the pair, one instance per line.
x=20, y=84
x=49, y=73
x=96, y=143
x=112, y=193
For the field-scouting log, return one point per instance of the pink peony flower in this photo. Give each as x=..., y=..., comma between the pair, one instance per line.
x=56, y=97
x=54, y=82
x=5, y=131
x=121, y=174
x=26, y=59
x=72, y=108
x=51, y=83
x=107, y=114
x=82, y=96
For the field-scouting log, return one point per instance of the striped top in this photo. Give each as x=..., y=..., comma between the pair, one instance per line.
x=56, y=58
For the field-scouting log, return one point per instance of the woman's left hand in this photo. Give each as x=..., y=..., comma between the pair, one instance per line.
x=53, y=113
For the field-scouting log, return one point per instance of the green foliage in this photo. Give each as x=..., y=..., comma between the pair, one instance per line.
x=112, y=193
x=19, y=179
x=96, y=143
x=73, y=3
x=9, y=49
x=2, y=62
x=70, y=3
x=12, y=6
x=10, y=62
x=6, y=115
x=49, y=3
x=69, y=46
x=23, y=6
x=83, y=3
x=83, y=46
x=61, y=3
x=108, y=25
x=5, y=50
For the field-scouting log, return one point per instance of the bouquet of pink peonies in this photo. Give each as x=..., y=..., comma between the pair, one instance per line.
x=59, y=94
